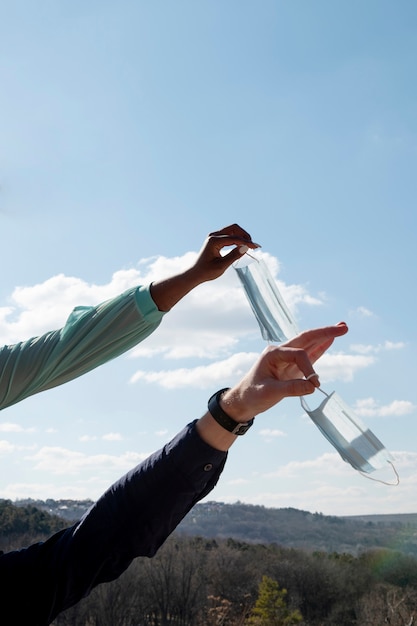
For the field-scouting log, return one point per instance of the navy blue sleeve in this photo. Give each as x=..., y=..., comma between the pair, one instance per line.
x=132, y=518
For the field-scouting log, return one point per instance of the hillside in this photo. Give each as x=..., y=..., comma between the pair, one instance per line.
x=287, y=527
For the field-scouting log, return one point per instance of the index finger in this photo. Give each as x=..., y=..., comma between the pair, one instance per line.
x=234, y=235
x=318, y=337
x=315, y=342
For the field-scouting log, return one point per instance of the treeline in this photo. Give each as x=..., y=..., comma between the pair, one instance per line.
x=195, y=581
x=20, y=526
x=287, y=526
x=301, y=529
x=199, y=582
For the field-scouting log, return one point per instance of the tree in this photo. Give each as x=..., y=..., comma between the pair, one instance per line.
x=387, y=604
x=271, y=607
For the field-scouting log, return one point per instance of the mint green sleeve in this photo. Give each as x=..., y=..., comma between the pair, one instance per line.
x=91, y=336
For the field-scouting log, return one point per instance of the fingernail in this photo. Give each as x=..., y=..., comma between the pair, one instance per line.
x=243, y=249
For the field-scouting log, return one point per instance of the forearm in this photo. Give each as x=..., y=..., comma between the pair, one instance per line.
x=167, y=292
x=133, y=518
x=150, y=500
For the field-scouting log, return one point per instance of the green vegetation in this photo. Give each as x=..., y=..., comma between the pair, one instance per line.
x=203, y=581
x=271, y=606
x=288, y=527
x=22, y=525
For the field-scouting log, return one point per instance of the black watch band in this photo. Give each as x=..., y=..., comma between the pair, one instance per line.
x=236, y=428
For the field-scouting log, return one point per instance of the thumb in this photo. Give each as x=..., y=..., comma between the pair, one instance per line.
x=235, y=254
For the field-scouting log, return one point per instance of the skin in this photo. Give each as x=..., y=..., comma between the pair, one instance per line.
x=210, y=264
x=279, y=372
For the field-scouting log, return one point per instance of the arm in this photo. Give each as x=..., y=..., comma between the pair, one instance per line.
x=91, y=336
x=94, y=335
x=132, y=518
x=135, y=516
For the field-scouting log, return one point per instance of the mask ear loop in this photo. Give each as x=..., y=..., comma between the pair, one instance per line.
x=302, y=401
x=246, y=252
x=383, y=482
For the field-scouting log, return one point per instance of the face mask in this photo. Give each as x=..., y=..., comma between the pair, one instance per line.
x=274, y=318
x=355, y=443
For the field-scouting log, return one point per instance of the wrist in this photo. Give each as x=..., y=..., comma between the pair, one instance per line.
x=233, y=404
x=223, y=418
x=168, y=292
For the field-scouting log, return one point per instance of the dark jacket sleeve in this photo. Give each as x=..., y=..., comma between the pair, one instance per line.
x=133, y=518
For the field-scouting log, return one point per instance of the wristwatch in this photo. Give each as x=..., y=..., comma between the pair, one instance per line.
x=236, y=428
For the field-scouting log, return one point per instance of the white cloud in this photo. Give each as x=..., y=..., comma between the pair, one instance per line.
x=271, y=433
x=6, y=447
x=328, y=463
x=112, y=437
x=297, y=294
x=370, y=349
x=239, y=481
x=338, y=366
x=58, y=460
x=9, y=427
x=368, y=407
x=161, y=433
x=406, y=459
x=203, y=376
x=327, y=484
x=330, y=367
x=362, y=311
x=75, y=491
x=324, y=498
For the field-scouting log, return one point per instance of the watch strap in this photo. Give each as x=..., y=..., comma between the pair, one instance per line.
x=222, y=418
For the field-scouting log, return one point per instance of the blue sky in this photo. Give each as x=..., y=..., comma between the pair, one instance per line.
x=130, y=130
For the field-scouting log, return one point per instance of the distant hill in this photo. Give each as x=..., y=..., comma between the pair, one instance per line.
x=287, y=527
x=71, y=510
x=302, y=529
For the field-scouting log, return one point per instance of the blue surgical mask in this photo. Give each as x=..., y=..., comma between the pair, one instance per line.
x=355, y=443
x=274, y=317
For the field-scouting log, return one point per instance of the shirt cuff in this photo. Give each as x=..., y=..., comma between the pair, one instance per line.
x=195, y=459
x=146, y=304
